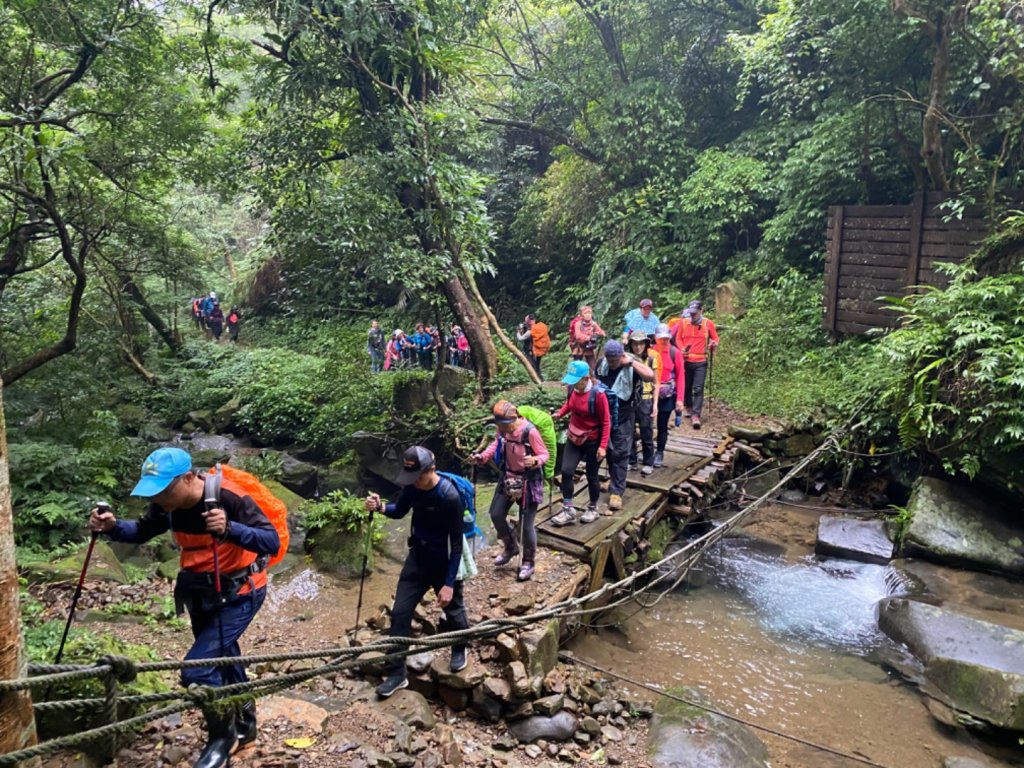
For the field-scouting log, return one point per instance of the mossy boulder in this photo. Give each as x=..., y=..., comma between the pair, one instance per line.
x=955, y=525
x=296, y=529
x=687, y=736
x=978, y=665
x=104, y=566
x=453, y=381
x=538, y=649
x=411, y=395
x=339, y=550
x=299, y=476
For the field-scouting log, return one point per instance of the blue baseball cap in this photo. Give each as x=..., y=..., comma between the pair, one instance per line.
x=578, y=369
x=613, y=349
x=160, y=468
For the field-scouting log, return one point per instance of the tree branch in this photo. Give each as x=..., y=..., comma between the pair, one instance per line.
x=562, y=138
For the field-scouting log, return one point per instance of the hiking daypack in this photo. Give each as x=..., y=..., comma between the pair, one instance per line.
x=542, y=421
x=465, y=489
x=613, y=402
x=250, y=485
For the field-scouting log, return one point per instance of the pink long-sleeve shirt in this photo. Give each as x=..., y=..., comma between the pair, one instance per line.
x=514, y=451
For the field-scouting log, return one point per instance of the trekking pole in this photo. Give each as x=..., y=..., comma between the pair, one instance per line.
x=473, y=546
x=78, y=589
x=211, y=496
x=366, y=562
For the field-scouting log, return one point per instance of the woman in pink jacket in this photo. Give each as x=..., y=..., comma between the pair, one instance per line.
x=519, y=451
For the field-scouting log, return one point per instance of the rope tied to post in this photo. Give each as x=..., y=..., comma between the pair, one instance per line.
x=121, y=668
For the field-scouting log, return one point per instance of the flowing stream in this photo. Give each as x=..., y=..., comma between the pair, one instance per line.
x=787, y=645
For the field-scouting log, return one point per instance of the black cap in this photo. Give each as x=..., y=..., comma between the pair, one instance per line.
x=415, y=461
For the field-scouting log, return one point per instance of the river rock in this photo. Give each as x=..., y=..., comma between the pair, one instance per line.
x=453, y=381
x=962, y=762
x=518, y=679
x=685, y=736
x=151, y=433
x=456, y=698
x=104, y=566
x=409, y=707
x=954, y=525
x=224, y=417
x=752, y=433
x=484, y=706
x=507, y=647
x=863, y=540
x=338, y=550
x=298, y=476
x=411, y=395
x=376, y=456
x=559, y=727
x=498, y=688
x=978, y=665
x=549, y=705
x=202, y=419
x=730, y=298
x=465, y=679
x=538, y=649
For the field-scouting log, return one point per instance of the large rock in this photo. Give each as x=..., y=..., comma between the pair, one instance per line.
x=202, y=419
x=298, y=476
x=103, y=566
x=452, y=382
x=730, y=298
x=560, y=727
x=376, y=456
x=292, y=500
x=224, y=417
x=338, y=550
x=686, y=736
x=951, y=524
x=409, y=707
x=538, y=649
x=411, y=395
x=978, y=665
x=863, y=540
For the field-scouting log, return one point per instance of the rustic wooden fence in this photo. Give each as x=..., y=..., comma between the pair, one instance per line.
x=876, y=251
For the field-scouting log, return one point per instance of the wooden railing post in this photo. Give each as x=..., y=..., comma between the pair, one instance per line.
x=835, y=252
x=916, y=225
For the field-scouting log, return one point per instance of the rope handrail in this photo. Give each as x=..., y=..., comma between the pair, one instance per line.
x=345, y=658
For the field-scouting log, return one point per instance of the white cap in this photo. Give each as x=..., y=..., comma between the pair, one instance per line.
x=662, y=331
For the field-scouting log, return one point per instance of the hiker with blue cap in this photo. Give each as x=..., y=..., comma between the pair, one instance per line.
x=590, y=427
x=623, y=377
x=228, y=536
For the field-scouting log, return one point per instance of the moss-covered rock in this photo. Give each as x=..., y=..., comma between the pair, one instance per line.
x=538, y=649
x=103, y=566
x=339, y=551
x=684, y=735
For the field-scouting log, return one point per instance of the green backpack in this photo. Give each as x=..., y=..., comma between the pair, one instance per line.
x=542, y=420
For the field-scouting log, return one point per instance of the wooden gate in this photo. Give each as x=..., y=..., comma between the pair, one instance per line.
x=876, y=251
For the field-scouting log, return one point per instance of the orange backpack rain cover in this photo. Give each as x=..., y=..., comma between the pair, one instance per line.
x=245, y=484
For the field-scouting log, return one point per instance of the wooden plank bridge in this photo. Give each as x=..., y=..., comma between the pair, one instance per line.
x=684, y=487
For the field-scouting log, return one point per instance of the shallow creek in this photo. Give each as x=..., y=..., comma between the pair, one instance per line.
x=785, y=643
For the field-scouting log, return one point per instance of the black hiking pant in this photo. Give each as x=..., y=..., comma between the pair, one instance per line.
x=666, y=408
x=619, y=447
x=571, y=458
x=693, y=391
x=425, y=568
x=645, y=421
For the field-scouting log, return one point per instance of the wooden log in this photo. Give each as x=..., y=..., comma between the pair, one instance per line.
x=680, y=510
x=693, y=490
x=879, y=273
x=579, y=577
x=952, y=237
x=598, y=563
x=877, y=210
x=618, y=558
x=869, y=249
x=875, y=222
x=876, y=235
x=750, y=452
x=832, y=268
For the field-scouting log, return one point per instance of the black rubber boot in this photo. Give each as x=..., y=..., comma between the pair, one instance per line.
x=245, y=724
x=221, y=738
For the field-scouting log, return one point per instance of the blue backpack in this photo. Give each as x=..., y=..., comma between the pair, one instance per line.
x=466, y=493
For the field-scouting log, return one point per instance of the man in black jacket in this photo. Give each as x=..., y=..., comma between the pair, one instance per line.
x=435, y=552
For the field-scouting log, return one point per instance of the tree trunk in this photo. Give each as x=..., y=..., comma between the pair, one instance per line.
x=485, y=356
x=17, y=726
x=129, y=286
x=505, y=340
x=931, y=146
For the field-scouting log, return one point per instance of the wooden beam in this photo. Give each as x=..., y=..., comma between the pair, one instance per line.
x=598, y=562
x=916, y=222
x=832, y=273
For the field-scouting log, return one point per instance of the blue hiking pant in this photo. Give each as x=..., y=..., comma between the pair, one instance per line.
x=208, y=627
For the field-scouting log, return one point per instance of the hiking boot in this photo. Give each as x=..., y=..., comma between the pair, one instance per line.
x=659, y=459
x=245, y=724
x=511, y=549
x=393, y=682
x=566, y=517
x=526, y=568
x=590, y=514
x=459, y=660
x=614, y=502
x=221, y=740
x=647, y=470
x=695, y=421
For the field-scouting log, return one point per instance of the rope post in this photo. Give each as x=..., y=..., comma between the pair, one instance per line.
x=110, y=692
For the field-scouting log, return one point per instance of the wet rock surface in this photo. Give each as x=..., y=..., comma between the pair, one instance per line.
x=686, y=736
x=865, y=541
x=978, y=665
x=954, y=525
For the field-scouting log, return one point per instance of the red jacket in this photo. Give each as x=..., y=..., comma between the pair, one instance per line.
x=578, y=408
x=693, y=340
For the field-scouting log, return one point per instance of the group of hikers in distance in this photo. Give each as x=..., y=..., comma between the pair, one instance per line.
x=401, y=350
x=209, y=317
x=230, y=528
